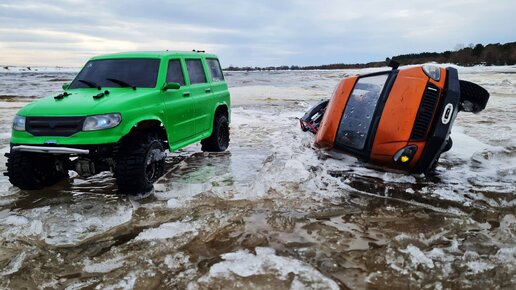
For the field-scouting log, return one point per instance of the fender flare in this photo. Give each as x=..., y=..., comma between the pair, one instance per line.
x=129, y=126
x=219, y=104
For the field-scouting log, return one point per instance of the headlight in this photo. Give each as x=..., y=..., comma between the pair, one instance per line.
x=432, y=71
x=101, y=122
x=404, y=155
x=19, y=123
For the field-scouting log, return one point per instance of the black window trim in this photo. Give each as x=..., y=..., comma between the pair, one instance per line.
x=365, y=153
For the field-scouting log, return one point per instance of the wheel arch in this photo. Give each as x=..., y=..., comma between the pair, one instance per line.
x=221, y=108
x=146, y=125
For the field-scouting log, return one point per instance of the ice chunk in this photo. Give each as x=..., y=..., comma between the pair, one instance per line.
x=14, y=265
x=167, y=230
x=105, y=266
x=265, y=262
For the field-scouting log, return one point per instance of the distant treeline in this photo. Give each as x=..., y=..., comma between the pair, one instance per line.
x=491, y=54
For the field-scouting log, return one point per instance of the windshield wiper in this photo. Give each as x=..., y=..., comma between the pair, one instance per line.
x=90, y=84
x=121, y=83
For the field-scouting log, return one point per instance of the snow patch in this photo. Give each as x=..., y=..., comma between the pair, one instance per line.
x=125, y=284
x=15, y=220
x=177, y=203
x=479, y=266
x=176, y=261
x=507, y=254
x=448, y=194
x=418, y=257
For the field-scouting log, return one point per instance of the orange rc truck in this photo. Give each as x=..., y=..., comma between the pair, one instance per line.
x=400, y=119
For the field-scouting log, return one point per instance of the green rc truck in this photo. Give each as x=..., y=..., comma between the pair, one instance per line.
x=119, y=114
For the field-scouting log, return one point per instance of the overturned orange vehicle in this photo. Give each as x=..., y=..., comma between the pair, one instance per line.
x=399, y=119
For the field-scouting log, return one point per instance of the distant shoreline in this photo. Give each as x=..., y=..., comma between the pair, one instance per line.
x=490, y=55
x=38, y=68
x=75, y=70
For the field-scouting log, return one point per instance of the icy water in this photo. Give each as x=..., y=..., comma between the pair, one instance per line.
x=271, y=212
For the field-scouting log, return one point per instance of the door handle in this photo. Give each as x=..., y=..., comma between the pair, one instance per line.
x=186, y=94
x=207, y=90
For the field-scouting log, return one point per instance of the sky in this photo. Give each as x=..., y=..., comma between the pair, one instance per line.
x=248, y=33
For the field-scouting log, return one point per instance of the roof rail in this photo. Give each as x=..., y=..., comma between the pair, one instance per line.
x=198, y=50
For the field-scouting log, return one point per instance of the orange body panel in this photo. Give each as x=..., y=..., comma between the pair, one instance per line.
x=330, y=123
x=399, y=114
x=400, y=110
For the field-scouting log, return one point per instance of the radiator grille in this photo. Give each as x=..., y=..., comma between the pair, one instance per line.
x=54, y=126
x=425, y=113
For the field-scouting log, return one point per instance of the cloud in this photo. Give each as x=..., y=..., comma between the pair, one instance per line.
x=257, y=33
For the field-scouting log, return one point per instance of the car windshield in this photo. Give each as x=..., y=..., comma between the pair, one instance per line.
x=130, y=72
x=358, y=115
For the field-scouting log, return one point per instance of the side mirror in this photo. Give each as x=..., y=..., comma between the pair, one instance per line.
x=66, y=86
x=171, y=86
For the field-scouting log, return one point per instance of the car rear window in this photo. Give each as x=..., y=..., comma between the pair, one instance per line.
x=358, y=114
x=215, y=70
x=138, y=72
x=175, y=73
x=195, y=71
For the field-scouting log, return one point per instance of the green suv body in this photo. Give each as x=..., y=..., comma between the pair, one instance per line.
x=120, y=110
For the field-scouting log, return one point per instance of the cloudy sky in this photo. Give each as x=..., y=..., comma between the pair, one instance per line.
x=248, y=33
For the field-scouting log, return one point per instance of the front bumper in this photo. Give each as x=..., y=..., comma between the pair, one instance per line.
x=92, y=151
x=438, y=137
x=50, y=150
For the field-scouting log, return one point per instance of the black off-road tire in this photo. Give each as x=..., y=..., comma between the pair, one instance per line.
x=219, y=139
x=473, y=98
x=139, y=163
x=29, y=171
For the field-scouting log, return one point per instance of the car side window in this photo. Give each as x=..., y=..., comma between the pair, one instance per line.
x=175, y=73
x=195, y=71
x=215, y=70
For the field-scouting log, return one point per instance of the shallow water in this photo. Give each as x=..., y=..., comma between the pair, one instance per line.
x=271, y=212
